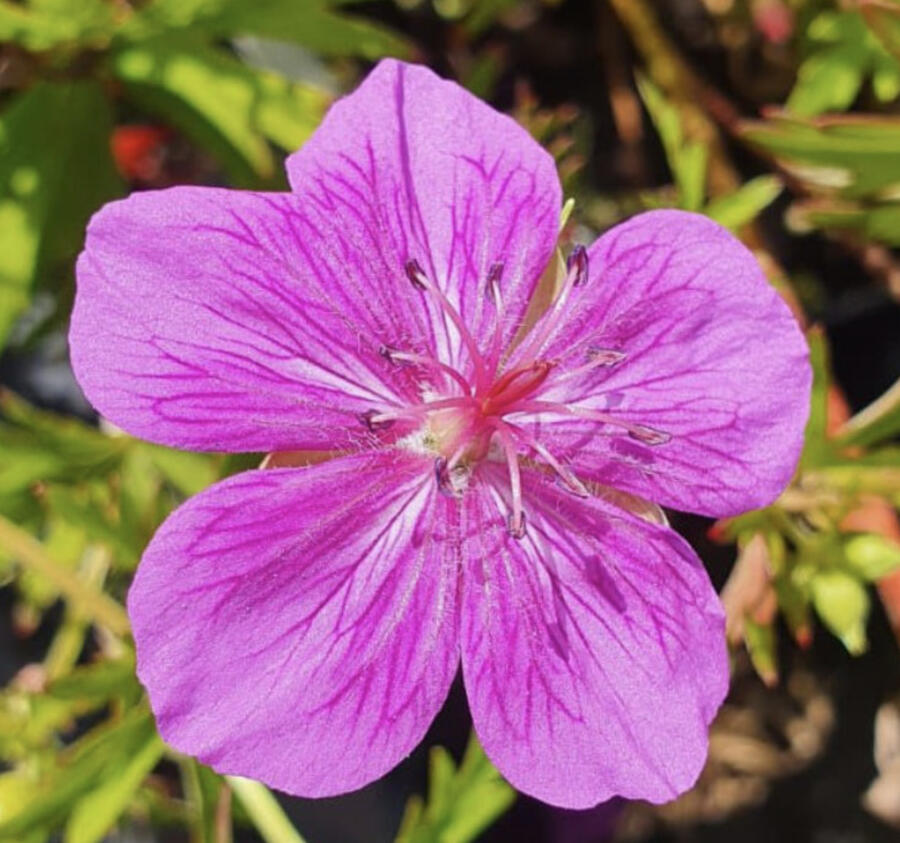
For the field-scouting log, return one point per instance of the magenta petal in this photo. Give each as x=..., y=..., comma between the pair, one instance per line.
x=204, y=320
x=413, y=167
x=299, y=626
x=712, y=358
x=593, y=648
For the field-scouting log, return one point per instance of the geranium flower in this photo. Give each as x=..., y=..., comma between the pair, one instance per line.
x=302, y=626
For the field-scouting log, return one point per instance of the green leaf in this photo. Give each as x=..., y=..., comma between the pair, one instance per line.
x=762, y=645
x=847, y=52
x=212, y=101
x=99, y=681
x=856, y=155
x=842, y=603
x=816, y=448
x=830, y=78
x=315, y=27
x=879, y=222
x=461, y=802
x=49, y=135
x=40, y=446
x=44, y=24
x=76, y=770
x=883, y=18
x=871, y=556
x=687, y=160
x=264, y=811
x=224, y=105
x=188, y=472
x=97, y=813
x=88, y=602
x=741, y=207
x=876, y=423
x=204, y=791
x=312, y=24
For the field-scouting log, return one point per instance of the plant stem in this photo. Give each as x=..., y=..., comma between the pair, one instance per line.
x=90, y=603
x=265, y=812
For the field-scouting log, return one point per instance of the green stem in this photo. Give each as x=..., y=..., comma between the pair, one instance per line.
x=264, y=810
x=93, y=604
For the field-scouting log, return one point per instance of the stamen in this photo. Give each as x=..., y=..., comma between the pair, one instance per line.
x=516, y=528
x=420, y=281
x=639, y=432
x=605, y=356
x=371, y=419
x=451, y=477
x=515, y=522
x=414, y=411
x=598, y=358
x=495, y=273
x=395, y=356
x=569, y=481
x=416, y=274
x=442, y=475
x=577, y=264
x=576, y=276
x=649, y=435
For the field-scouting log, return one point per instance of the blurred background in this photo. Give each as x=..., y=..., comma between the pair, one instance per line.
x=778, y=118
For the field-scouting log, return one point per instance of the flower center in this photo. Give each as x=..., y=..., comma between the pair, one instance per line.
x=463, y=419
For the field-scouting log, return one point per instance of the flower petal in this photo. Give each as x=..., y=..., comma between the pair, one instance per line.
x=204, y=319
x=713, y=358
x=411, y=166
x=299, y=626
x=593, y=648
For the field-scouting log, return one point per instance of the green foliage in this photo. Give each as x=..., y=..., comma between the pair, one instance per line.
x=687, y=159
x=883, y=18
x=845, y=52
x=170, y=59
x=849, y=165
x=47, y=134
x=746, y=203
x=462, y=801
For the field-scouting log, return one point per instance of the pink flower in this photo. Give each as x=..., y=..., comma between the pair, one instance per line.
x=303, y=625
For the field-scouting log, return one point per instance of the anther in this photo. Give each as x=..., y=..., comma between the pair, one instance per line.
x=416, y=274
x=442, y=476
x=577, y=263
x=495, y=273
x=569, y=482
x=605, y=356
x=515, y=525
x=370, y=418
x=649, y=435
x=387, y=353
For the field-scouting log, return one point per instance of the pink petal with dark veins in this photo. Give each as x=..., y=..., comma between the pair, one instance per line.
x=299, y=626
x=710, y=356
x=204, y=319
x=593, y=648
x=410, y=166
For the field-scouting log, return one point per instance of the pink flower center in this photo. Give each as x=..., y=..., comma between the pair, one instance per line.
x=467, y=420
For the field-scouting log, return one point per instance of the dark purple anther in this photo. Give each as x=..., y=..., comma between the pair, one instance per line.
x=649, y=435
x=495, y=273
x=442, y=476
x=516, y=526
x=577, y=262
x=387, y=353
x=605, y=356
x=416, y=274
x=370, y=419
